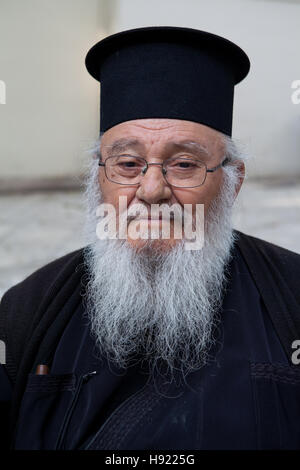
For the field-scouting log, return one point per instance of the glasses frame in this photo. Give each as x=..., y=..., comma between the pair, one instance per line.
x=164, y=171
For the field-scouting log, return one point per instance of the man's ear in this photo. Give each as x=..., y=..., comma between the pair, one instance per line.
x=241, y=170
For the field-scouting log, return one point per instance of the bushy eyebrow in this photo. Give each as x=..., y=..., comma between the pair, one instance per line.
x=190, y=146
x=121, y=145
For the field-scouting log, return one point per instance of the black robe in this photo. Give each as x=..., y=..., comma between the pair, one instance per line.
x=246, y=397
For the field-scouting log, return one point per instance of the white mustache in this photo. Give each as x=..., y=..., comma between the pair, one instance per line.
x=141, y=212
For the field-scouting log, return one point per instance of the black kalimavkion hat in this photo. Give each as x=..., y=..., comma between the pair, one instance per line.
x=167, y=72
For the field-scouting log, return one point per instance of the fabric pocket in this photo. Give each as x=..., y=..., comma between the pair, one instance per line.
x=43, y=408
x=276, y=390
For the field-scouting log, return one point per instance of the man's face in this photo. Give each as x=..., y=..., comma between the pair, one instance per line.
x=171, y=295
x=157, y=140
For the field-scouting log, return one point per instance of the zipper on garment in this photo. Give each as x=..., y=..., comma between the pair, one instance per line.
x=82, y=380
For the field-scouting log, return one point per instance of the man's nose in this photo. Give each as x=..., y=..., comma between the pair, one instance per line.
x=153, y=187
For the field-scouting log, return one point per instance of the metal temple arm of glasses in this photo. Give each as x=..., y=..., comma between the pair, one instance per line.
x=223, y=163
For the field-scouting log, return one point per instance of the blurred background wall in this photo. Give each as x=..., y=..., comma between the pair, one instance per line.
x=52, y=104
x=51, y=112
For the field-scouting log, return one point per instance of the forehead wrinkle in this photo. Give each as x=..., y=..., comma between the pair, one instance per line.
x=123, y=144
x=188, y=145
x=191, y=146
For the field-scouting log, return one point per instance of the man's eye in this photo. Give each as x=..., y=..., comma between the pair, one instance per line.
x=127, y=164
x=183, y=164
x=186, y=164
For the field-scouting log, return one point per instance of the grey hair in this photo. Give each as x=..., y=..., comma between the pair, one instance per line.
x=235, y=151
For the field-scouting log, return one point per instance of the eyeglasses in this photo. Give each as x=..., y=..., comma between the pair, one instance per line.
x=179, y=171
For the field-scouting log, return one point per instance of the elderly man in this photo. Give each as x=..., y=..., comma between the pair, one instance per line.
x=135, y=341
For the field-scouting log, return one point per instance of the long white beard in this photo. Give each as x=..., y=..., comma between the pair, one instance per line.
x=159, y=306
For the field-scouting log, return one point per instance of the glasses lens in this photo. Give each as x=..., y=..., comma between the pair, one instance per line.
x=185, y=172
x=124, y=169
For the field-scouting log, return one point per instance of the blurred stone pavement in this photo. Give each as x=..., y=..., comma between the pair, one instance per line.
x=37, y=227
